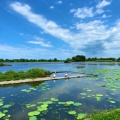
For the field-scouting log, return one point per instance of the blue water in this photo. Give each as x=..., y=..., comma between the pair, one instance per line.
x=63, y=90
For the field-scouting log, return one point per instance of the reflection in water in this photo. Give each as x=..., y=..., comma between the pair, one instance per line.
x=90, y=92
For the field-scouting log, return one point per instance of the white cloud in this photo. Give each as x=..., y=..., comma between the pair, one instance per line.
x=48, y=26
x=83, y=12
x=102, y=4
x=105, y=16
x=90, y=12
x=7, y=51
x=21, y=34
x=92, y=37
x=99, y=11
x=59, y=2
x=40, y=41
x=52, y=7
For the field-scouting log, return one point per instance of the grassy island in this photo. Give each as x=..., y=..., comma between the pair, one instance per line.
x=4, y=64
x=32, y=73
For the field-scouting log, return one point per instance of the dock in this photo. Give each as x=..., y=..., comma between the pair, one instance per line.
x=41, y=79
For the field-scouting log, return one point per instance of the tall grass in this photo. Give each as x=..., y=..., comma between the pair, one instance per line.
x=106, y=115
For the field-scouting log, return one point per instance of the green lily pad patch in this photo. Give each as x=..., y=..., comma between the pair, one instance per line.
x=54, y=99
x=99, y=95
x=112, y=102
x=7, y=106
x=33, y=118
x=61, y=103
x=1, y=103
x=83, y=93
x=98, y=98
x=2, y=114
x=44, y=105
x=77, y=104
x=47, y=102
x=33, y=113
x=30, y=105
x=42, y=109
x=72, y=112
x=88, y=90
x=33, y=89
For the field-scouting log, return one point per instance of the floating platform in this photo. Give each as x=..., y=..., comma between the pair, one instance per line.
x=42, y=79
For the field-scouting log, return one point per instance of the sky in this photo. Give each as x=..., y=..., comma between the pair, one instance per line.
x=48, y=29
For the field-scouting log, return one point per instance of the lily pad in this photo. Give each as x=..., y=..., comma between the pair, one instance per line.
x=33, y=113
x=98, y=98
x=88, y=90
x=112, y=101
x=61, y=103
x=33, y=118
x=72, y=112
x=1, y=103
x=2, y=114
x=83, y=93
x=42, y=109
x=44, y=105
x=30, y=105
x=99, y=95
x=47, y=102
x=54, y=99
x=77, y=104
x=7, y=106
x=69, y=102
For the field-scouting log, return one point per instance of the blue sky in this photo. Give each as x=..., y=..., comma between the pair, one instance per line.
x=59, y=28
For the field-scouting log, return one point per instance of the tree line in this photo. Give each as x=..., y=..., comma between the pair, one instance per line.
x=82, y=58
x=77, y=58
x=31, y=60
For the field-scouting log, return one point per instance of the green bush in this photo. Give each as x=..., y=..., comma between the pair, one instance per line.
x=32, y=73
x=22, y=75
x=2, y=76
x=11, y=75
x=35, y=73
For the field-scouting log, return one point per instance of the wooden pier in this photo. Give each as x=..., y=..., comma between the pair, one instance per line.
x=41, y=79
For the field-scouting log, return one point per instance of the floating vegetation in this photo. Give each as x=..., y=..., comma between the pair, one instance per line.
x=33, y=118
x=2, y=114
x=54, y=99
x=68, y=103
x=61, y=103
x=30, y=105
x=33, y=113
x=105, y=85
x=7, y=106
x=77, y=104
x=83, y=94
x=72, y=112
x=112, y=101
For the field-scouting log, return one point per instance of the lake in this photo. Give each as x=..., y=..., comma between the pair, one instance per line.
x=61, y=99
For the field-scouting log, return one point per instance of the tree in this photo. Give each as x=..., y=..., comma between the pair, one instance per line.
x=68, y=60
x=78, y=58
x=55, y=60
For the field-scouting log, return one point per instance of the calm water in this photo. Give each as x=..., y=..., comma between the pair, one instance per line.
x=78, y=90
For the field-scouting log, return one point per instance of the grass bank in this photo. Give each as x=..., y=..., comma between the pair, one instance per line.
x=113, y=114
x=32, y=73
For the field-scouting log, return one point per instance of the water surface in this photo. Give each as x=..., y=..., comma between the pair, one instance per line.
x=93, y=93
